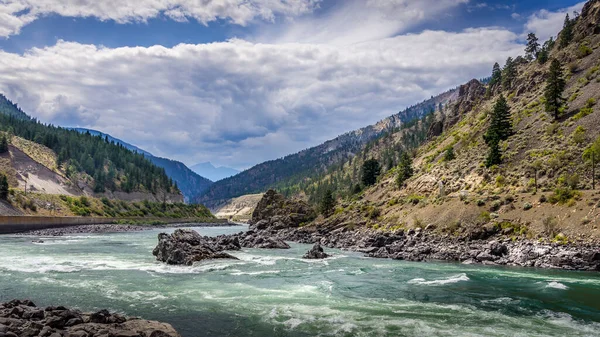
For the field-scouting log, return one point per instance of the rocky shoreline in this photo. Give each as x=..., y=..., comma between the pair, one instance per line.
x=277, y=220
x=21, y=318
x=114, y=228
x=421, y=245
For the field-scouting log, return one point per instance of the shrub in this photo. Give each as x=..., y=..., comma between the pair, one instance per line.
x=584, y=50
x=543, y=198
x=527, y=206
x=500, y=180
x=480, y=202
x=84, y=201
x=563, y=195
x=550, y=226
x=374, y=213
x=578, y=135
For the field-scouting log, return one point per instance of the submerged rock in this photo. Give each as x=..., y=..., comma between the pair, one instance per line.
x=316, y=252
x=23, y=318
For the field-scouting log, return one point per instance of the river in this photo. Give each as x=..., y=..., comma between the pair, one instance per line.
x=276, y=293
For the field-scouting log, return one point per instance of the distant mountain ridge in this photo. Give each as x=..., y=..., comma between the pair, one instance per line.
x=208, y=170
x=306, y=164
x=189, y=182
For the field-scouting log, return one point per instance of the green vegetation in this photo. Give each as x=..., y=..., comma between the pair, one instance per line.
x=584, y=50
x=112, y=166
x=500, y=129
x=592, y=155
x=3, y=187
x=566, y=36
x=532, y=49
x=496, y=78
x=370, y=171
x=564, y=195
x=3, y=144
x=509, y=73
x=544, y=53
x=85, y=206
x=405, y=169
x=449, y=154
x=327, y=203
x=555, y=85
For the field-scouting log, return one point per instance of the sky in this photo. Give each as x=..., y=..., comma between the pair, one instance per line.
x=239, y=82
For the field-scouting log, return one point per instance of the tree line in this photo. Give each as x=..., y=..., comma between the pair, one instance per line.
x=111, y=165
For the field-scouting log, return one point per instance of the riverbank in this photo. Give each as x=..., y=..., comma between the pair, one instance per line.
x=23, y=318
x=116, y=228
x=21, y=224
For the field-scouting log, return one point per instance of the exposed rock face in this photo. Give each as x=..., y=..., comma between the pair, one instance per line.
x=186, y=247
x=274, y=211
x=316, y=252
x=23, y=318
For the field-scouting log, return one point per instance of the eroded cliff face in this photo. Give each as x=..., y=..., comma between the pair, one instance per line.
x=238, y=209
x=469, y=95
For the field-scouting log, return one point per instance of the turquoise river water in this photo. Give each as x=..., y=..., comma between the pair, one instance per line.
x=276, y=293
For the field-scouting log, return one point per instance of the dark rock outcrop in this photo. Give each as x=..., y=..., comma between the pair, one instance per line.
x=274, y=211
x=24, y=319
x=316, y=252
x=186, y=246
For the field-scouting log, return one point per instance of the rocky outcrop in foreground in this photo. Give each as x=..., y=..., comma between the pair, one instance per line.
x=23, y=319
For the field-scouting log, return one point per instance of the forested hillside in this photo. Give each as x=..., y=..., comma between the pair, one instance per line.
x=189, y=182
x=293, y=172
x=108, y=166
x=517, y=154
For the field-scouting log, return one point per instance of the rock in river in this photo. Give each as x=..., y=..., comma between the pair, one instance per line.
x=186, y=246
x=316, y=252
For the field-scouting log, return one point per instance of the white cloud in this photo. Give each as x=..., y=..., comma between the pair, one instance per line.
x=359, y=21
x=14, y=14
x=546, y=24
x=239, y=102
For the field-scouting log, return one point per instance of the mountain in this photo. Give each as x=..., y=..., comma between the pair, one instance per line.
x=213, y=173
x=87, y=163
x=190, y=183
x=286, y=173
x=542, y=186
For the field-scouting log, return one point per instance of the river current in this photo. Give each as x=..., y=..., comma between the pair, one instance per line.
x=277, y=293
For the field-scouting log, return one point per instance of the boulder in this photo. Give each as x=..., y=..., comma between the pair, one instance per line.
x=184, y=247
x=316, y=252
x=101, y=323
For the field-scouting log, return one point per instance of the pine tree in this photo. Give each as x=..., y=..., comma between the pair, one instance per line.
x=494, y=156
x=370, y=171
x=555, y=85
x=405, y=169
x=496, y=75
x=508, y=74
x=533, y=47
x=327, y=203
x=3, y=144
x=3, y=187
x=566, y=36
x=500, y=126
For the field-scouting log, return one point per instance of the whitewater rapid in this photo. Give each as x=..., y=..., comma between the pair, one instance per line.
x=277, y=293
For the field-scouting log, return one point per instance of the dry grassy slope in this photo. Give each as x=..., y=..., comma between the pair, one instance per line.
x=537, y=137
